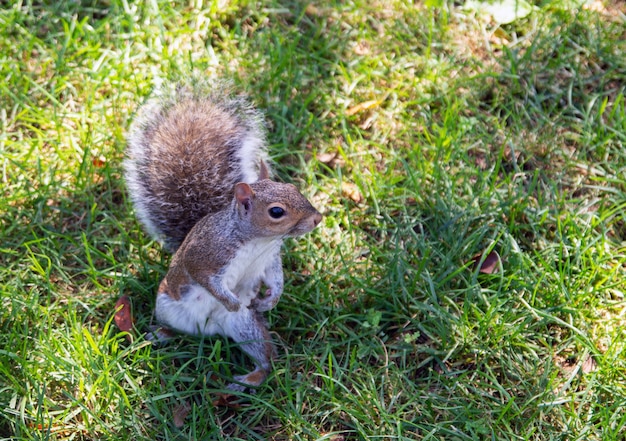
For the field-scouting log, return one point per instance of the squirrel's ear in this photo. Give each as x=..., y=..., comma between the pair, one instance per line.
x=244, y=194
x=264, y=172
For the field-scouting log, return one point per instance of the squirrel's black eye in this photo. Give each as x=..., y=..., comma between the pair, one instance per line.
x=276, y=212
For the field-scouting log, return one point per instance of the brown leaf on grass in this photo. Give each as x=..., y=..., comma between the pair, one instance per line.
x=226, y=400
x=313, y=11
x=571, y=364
x=351, y=191
x=362, y=106
x=123, y=316
x=362, y=48
x=180, y=412
x=331, y=159
x=589, y=365
x=480, y=158
x=490, y=265
x=99, y=162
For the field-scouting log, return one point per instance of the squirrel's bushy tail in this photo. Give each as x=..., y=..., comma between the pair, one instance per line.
x=187, y=148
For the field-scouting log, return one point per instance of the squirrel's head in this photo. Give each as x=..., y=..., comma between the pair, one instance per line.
x=275, y=209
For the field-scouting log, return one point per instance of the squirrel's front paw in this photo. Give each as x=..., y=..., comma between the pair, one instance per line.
x=266, y=303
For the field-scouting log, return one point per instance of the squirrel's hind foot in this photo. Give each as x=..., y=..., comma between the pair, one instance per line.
x=158, y=334
x=249, y=381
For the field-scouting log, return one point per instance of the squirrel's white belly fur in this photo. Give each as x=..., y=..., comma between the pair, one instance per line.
x=244, y=272
x=199, y=312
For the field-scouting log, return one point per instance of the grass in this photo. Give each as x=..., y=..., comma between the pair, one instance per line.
x=430, y=136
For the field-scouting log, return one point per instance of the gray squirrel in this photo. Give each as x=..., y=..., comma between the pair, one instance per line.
x=197, y=173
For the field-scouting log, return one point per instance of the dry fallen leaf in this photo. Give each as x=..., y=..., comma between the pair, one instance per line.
x=99, y=162
x=226, y=400
x=362, y=106
x=180, y=413
x=490, y=265
x=123, y=316
x=362, y=48
x=351, y=191
x=313, y=11
x=331, y=159
x=589, y=365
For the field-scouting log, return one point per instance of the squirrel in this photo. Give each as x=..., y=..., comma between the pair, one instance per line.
x=197, y=174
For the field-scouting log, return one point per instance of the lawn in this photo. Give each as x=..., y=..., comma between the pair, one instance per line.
x=467, y=281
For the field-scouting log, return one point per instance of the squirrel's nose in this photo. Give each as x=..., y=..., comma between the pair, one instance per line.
x=317, y=219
